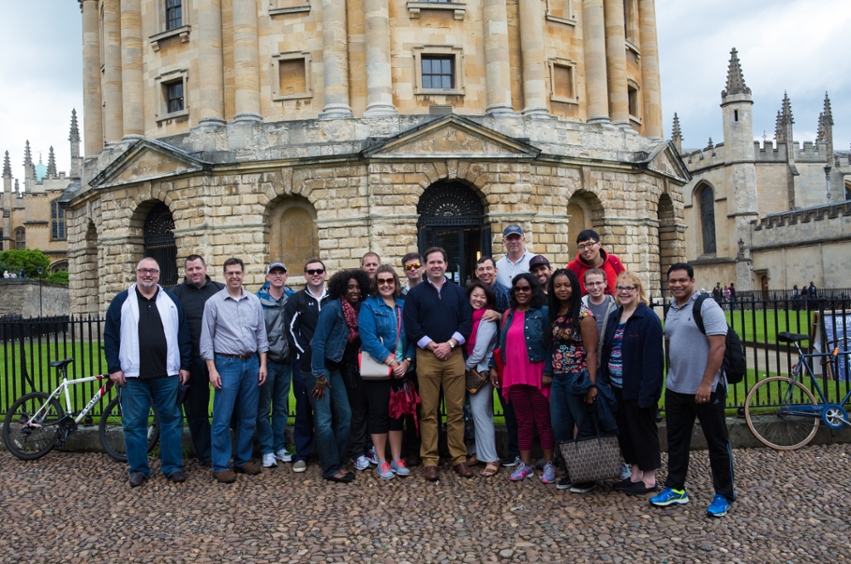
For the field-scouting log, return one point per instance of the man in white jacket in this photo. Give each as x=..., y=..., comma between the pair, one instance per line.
x=148, y=353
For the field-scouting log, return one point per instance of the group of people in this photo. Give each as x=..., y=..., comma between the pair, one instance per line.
x=568, y=351
x=725, y=297
x=13, y=274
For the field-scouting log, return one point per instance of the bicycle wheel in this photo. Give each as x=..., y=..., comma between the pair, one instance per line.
x=111, y=431
x=29, y=437
x=780, y=426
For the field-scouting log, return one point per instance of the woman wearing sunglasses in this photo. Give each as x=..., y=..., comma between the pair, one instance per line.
x=383, y=337
x=522, y=352
x=632, y=358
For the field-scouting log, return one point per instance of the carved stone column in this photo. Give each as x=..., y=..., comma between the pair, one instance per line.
x=113, y=114
x=651, y=84
x=246, y=64
x=335, y=60
x=92, y=100
x=616, y=62
x=594, y=45
x=532, y=50
x=497, y=66
x=211, y=100
x=132, y=85
x=379, y=78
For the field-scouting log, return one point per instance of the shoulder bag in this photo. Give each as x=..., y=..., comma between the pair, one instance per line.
x=371, y=369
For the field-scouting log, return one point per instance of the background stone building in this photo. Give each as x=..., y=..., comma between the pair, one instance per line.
x=294, y=128
x=760, y=214
x=32, y=215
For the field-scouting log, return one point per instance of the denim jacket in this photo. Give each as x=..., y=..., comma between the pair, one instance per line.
x=329, y=339
x=377, y=321
x=536, y=323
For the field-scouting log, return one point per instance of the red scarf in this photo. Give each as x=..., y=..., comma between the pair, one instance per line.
x=477, y=318
x=351, y=317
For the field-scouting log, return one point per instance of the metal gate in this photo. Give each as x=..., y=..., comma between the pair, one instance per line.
x=160, y=245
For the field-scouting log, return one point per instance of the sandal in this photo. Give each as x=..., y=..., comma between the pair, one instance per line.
x=491, y=469
x=473, y=461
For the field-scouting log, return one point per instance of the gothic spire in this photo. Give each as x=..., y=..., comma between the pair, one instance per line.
x=786, y=111
x=74, y=136
x=17, y=187
x=677, y=134
x=51, y=164
x=28, y=156
x=7, y=166
x=828, y=114
x=735, y=78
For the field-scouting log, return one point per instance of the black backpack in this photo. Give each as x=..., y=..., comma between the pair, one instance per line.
x=735, y=365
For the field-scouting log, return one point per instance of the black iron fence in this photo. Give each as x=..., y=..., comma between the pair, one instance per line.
x=28, y=345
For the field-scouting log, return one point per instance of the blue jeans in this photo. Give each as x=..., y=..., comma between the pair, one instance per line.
x=275, y=391
x=332, y=418
x=303, y=428
x=568, y=409
x=136, y=399
x=239, y=386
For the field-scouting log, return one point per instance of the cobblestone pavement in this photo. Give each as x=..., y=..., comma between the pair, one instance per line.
x=69, y=508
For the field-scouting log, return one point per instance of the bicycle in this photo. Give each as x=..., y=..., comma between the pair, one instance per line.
x=796, y=419
x=36, y=422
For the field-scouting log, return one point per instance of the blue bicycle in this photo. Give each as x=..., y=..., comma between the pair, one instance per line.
x=783, y=413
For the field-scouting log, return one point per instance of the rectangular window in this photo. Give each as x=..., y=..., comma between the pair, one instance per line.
x=57, y=221
x=174, y=96
x=292, y=77
x=173, y=14
x=438, y=72
x=632, y=94
x=563, y=81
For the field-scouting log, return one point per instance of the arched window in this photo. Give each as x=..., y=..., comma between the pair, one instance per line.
x=57, y=221
x=293, y=235
x=20, y=238
x=707, y=219
x=160, y=244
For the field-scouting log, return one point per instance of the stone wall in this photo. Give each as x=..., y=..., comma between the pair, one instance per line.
x=20, y=296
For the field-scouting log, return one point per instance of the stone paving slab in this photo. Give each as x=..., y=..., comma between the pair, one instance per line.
x=77, y=507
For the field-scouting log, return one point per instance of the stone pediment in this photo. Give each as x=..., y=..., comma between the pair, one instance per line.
x=665, y=160
x=451, y=136
x=147, y=160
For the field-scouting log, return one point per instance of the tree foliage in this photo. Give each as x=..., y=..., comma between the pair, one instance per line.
x=27, y=259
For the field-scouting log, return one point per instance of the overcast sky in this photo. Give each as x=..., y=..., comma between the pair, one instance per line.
x=797, y=46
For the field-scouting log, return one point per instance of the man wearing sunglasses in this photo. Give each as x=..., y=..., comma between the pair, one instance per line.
x=413, y=265
x=592, y=255
x=301, y=315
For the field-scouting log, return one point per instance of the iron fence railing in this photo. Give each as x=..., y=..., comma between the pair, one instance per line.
x=28, y=345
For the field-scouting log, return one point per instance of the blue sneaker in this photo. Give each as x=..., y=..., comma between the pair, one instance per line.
x=384, y=471
x=523, y=471
x=625, y=472
x=718, y=507
x=668, y=497
x=400, y=468
x=549, y=475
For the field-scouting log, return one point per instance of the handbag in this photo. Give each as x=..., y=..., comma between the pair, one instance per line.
x=596, y=458
x=474, y=380
x=371, y=369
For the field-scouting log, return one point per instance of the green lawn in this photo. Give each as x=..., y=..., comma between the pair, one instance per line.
x=763, y=326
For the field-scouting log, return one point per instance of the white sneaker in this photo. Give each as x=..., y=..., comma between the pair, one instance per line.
x=362, y=463
x=269, y=460
x=372, y=457
x=284, y=456
x=300, y=466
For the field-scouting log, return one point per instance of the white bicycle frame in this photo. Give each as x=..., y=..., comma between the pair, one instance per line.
x=64, y=387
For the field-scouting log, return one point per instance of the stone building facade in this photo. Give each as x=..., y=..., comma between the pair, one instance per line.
x=289, y=129
x=761, y=213
x=33, y=217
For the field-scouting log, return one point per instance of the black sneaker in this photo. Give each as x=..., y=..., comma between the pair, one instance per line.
x=584, y=487
x=137, y=479
x=564, y=484
x=510, y=461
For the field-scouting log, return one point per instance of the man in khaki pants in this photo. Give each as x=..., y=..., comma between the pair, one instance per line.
x=438, y=318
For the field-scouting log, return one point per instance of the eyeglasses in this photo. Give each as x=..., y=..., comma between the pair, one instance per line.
x=626, y=288
x=522, y=288
x=412, y=266
x=594, y=284
x=315, y=271
x=386, y=282
x=586, y=246
x=144, y=271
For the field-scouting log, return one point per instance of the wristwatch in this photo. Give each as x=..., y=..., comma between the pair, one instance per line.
x=451, y=344
x=409, y=359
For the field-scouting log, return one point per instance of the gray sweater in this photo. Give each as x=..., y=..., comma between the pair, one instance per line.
x=485, y=342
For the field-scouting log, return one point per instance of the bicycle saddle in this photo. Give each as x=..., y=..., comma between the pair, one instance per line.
x=60, y=364
x=791, y=337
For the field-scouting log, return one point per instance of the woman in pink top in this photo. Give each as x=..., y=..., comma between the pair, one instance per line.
x=522, y=352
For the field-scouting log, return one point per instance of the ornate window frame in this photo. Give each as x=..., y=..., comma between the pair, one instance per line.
x=163, y=80
x=275, y=79
x=632, y=85
x=458, y=8
x=163, y=34
x=439, y=50
x=571, y=13
x=564, y=63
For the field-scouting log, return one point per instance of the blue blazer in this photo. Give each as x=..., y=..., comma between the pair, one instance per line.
x=642, y=353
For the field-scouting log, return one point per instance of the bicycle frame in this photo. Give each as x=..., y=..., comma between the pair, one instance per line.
x=65, y=386
x=815, y=410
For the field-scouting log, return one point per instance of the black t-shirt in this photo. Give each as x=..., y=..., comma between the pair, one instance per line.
x=153, y=348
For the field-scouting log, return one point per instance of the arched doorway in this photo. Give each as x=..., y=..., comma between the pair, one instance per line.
x=159, y=243
x=293, y=235
x=452, y=217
